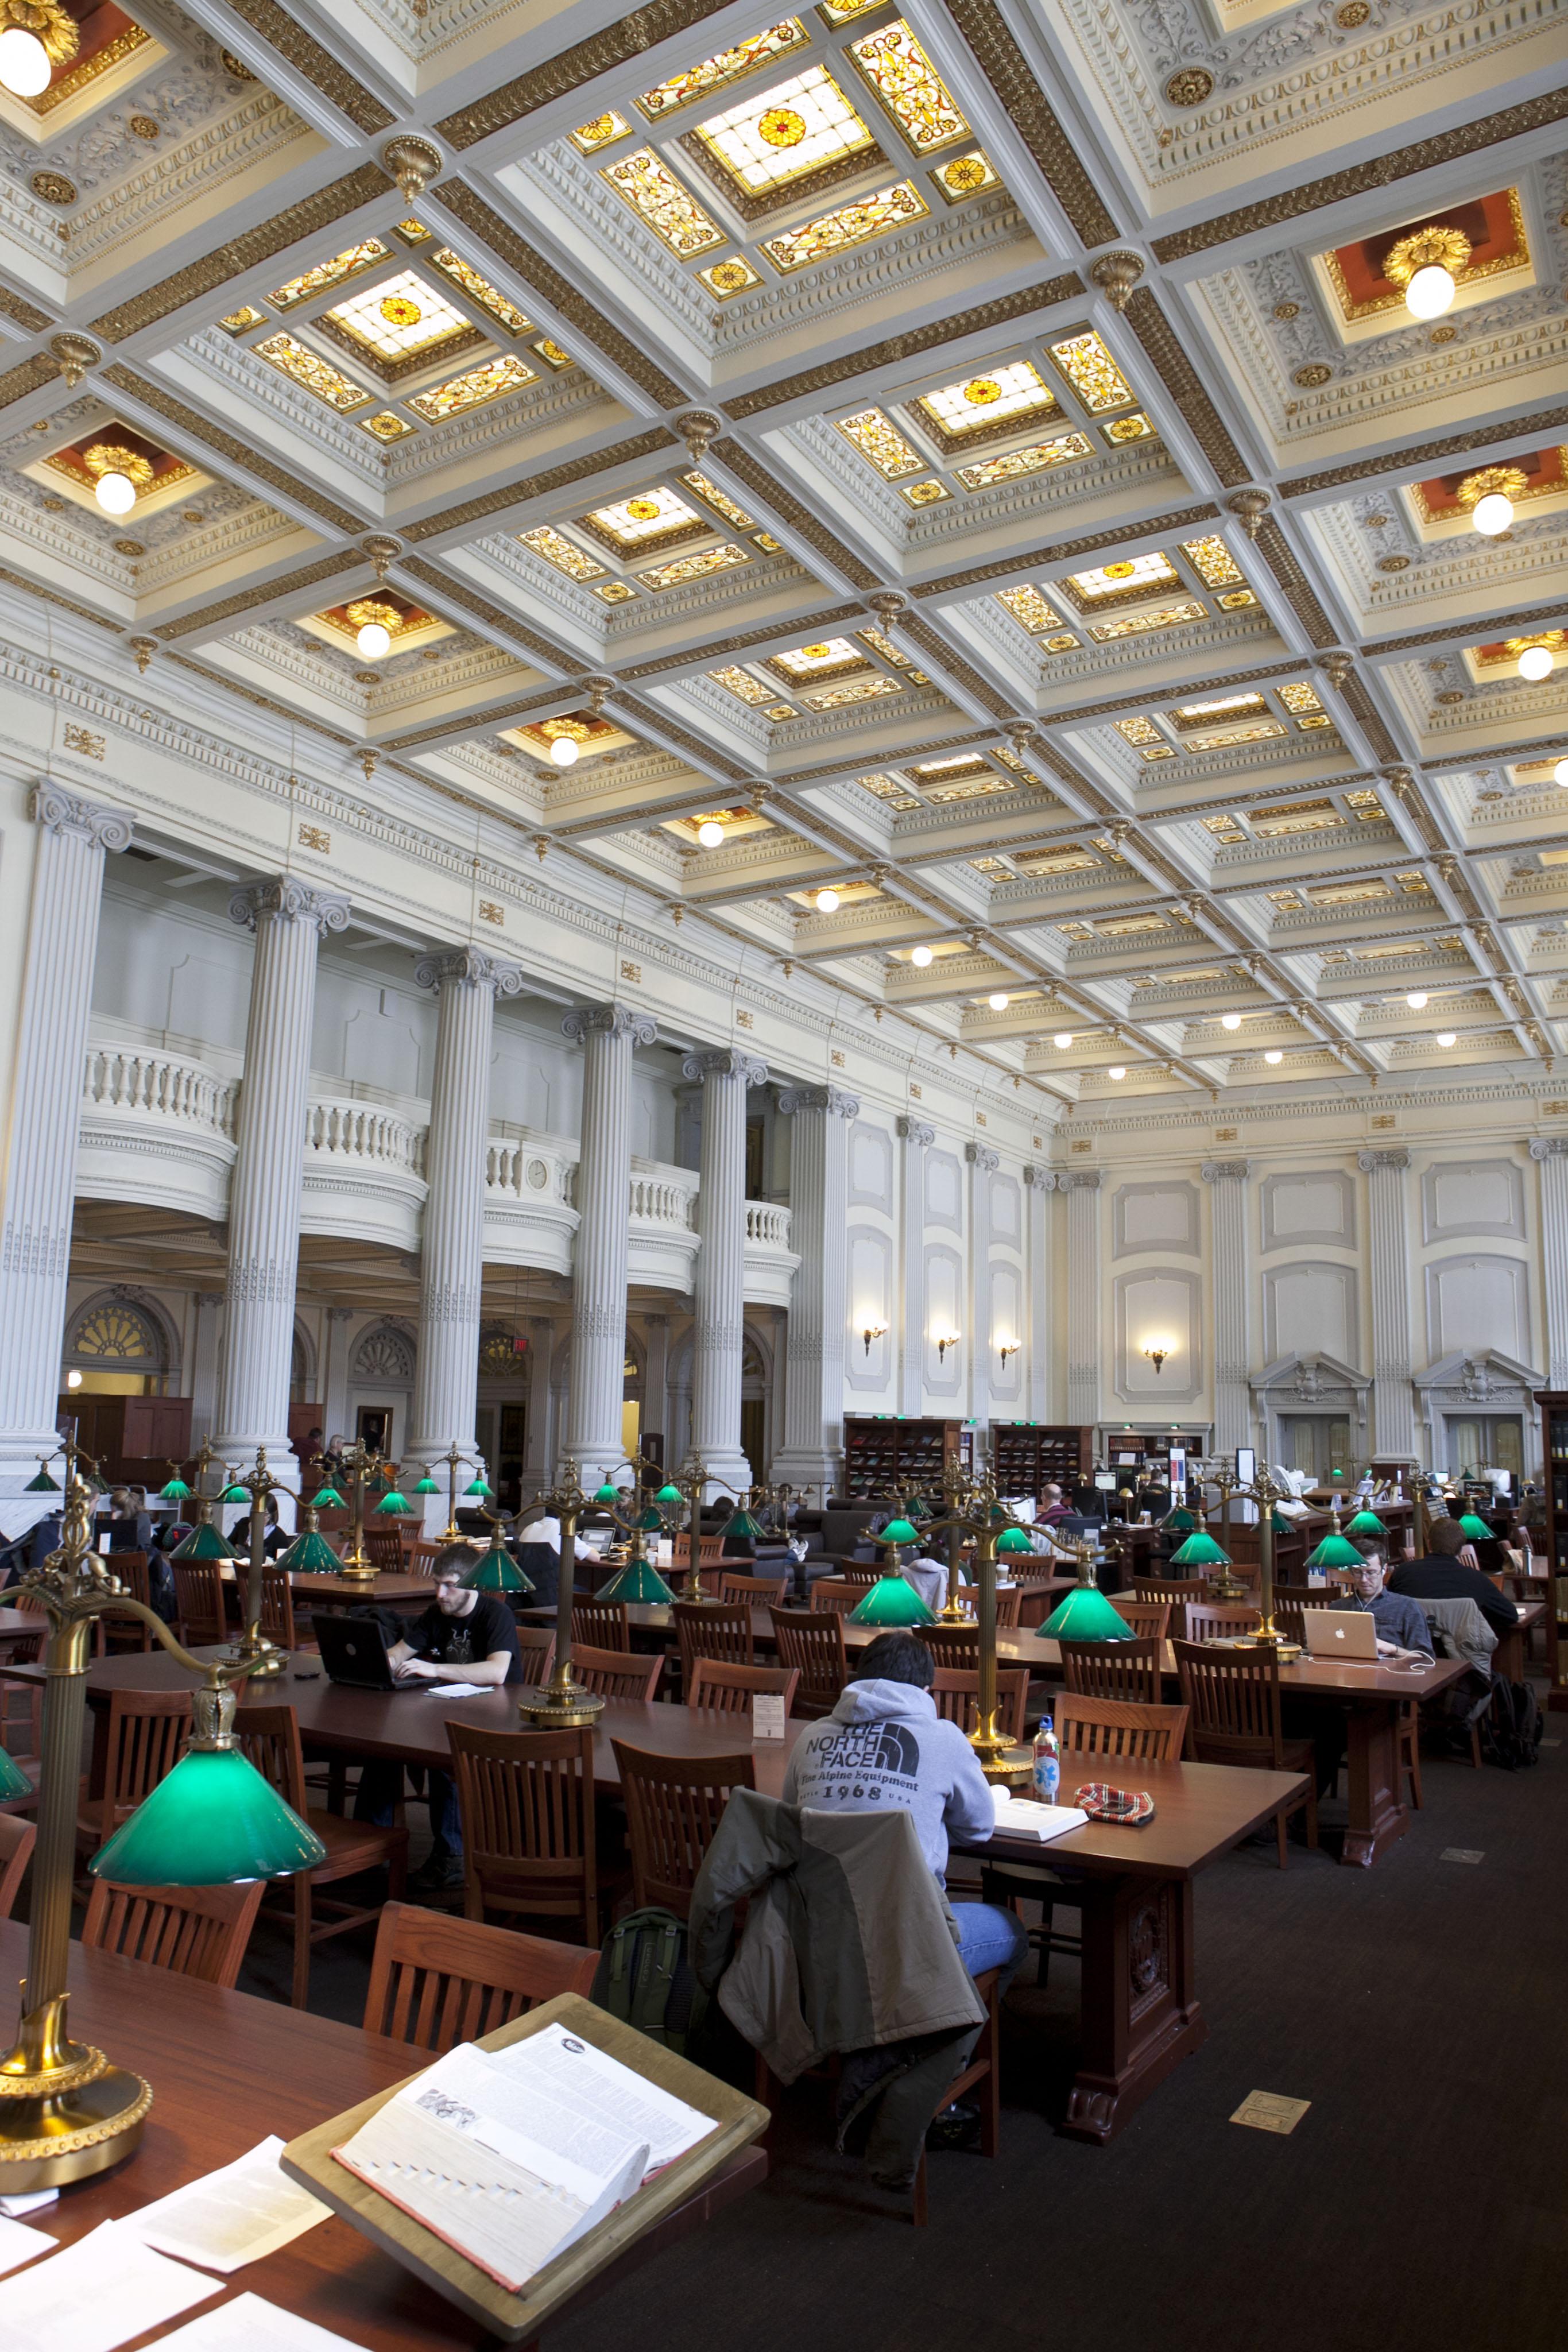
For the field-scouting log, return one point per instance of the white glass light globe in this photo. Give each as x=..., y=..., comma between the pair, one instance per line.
x=1274, y=1057
x=1230, y=1020
x=24, y=67
x=1117, y=1071
x=1430, y=292
x=374, y=641
x=922, y=956
x=1492, y=514
x=1445, y=1037
x=563, y=752
x=116, y=493
x=1062, y=1039
x=1536, y=663
x=1561, y=771
x=827, y=902
x=711, y=833
x=1417, y=1000
x=999, y=1002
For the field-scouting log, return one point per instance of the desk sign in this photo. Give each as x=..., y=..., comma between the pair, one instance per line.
x=767, y=1715
x=1270, y=2111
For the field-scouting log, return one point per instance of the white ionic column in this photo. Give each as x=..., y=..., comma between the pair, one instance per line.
x=1392, y=1401
x=43, y=1116
x=812, y=1450
x=983, y=1164
x=1039, y=1189
x=727, y=1074
x=656, y=1377
x=288, y=920
x=916, y=1137
x=452, y=1255
x=538, y=1454
x=1227, y=1179
x=333, y=1387
x=1083, y=1189
x=1550, y=1156
x=592, y=1434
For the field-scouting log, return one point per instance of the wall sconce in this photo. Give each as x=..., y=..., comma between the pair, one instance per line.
x=1156, y=1352
x=873, y=1332
x=1006, y=1347
x=944, y=1340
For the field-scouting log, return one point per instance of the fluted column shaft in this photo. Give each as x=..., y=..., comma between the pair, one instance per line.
x=1226, y=1180
x=812, y=1450
x=725, y=1075
x=1082, y=1186
x=916, y=1135
x=451, y=1257
x=1039, y=1185
x=983, y=1164
x=45, y=1113
x=288, y=920
x=1392, y=1400
x=1550, y=1156
x=608, y=1034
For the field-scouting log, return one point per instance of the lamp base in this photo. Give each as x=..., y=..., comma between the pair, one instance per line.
x=265, y=1659
x=65, y=2112
x=552, y=1709
x=357, y=1572
x=1013, y=1768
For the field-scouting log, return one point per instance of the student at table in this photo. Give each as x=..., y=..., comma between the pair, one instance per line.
x=274, y=1540
x=1052, y=1508
x=536, y=1548
x=1401, y=1624
x=463, y=1637
x=1449, y=1572
x=883, y=1744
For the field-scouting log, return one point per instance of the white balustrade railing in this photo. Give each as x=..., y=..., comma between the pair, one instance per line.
x=664, y=1196
x=516, y=1165
x=768, y=1224
x=358, y=1132
x=161, y=1086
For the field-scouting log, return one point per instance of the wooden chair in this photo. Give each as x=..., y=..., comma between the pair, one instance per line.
x=713, y=1628
x=812, y=1641
x=22, y=1735
x=673, y=1806
x=527, y=1804
x=601, y=1626
x=957, y=1691
x=710, y=1550
x=1116, y=1733
x=536, y=1649
x=195, y=1931
x=1217, y=1621
x=201, y=1610
x=384, y=1548
x=1234, y=1699
x=1150, y=1620
x=862, y=1578
x=1408, y=1747
x=436, y=1980
x=838, y=1593
x=730, y=1689
x=121, y=1633
x=1307, y=1596
x=1126, y=1670
x=953, y=1645
x=147, y=1729
x=617, y=1674
x=18, y=1839
x=982, y=2073
x=1173, y=1590
x=1008, y=1603
x=754, y=1591
x=277, y=1608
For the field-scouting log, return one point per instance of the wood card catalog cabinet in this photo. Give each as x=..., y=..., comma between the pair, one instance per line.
x=135, y=1438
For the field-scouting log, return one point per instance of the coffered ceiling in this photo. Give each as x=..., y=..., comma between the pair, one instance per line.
x=980, y=463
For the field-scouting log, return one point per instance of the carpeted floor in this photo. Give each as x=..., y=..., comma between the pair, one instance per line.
x=1418, y=2006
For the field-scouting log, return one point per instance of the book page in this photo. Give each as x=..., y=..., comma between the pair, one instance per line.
x=555, y=2061
x=249, y=2324
x=96, y=2295
x=532, y=2120
x=233, y=2216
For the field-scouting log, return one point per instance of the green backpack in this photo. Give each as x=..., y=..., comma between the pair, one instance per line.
x=644, y=1978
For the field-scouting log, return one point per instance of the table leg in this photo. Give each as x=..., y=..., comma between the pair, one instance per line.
x=1376, y=1815
x=1507, y=1658
x=1139, y=2004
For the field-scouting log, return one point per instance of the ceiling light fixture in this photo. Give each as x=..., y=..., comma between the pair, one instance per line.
x=1118, y=1071
x=38, y=36
x=710, y=833
x=1489, y=495
x=1273, y=1057
x=1230, y=1020
x=1445, y=1037
x=1536, y=663
x=1425, y=268
x=827, y=902
x=1561, y=772
x=1492, y=514
x=374, y=641
x=1062, y=1039
x=563, y=752
x=119, y=475
x=1417, y=1000
x=998, y=1002
x=922, y=956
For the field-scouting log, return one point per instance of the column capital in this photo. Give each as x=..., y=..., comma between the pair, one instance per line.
x=613, y=1019
x=1550, y=1147
x=1369, y=1162
x=725, y=1062
x=294, y=899
x=1225, y=1171
x=471, y=964
x=340, y=1314
x=915, y=1130
x=833, y=1099
x=62, y=812
x=1040, y=1180
x=1079, y=1179
x=980, y=1155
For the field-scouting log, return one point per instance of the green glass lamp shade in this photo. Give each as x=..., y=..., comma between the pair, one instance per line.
x=1086, y=1615
x=14, y=1781
x=391, y=1502
x=1200, y=1551
x=1180, y=1523
x=212, y=1821
x=1334, y=1551
x=892, y=1602
x=1477, y=1530
x=605, y=1493
x=652, y=1521
x=205, y=1542
x=43, y=1485
x=638, y=1580
x=743, y=1524
x=897, y=1531
x=669, y=1494
x=176, y=1491
x=426, y=1486
x=919, y=1509
x=479, y=1486
x=235, y=1494
x=311, y=1555
x=497, y=1572
x=328, y=1499
x=1365, y=1523
x=1013, y=1539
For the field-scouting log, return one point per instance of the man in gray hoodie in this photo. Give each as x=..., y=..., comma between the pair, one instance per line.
x=884, y=1744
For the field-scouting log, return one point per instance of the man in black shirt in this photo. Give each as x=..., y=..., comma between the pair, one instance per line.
x=1449, y=1572
x=463, y=1637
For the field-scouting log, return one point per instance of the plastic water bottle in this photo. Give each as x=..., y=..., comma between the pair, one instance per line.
x=1046, y=1762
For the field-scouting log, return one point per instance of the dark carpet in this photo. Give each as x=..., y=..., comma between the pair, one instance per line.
x=1418, y=2006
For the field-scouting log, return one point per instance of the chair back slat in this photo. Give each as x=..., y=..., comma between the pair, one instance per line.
x=526, y=1804
x=837, y=1593
x=601, y=1626
x=131, y=1632
x=536, y=1648
x=192, y=1931
x=616, y=1673
x=436, y=1980
x=729, y=1689
x=673, y=1806
x=812, y=1641
x=147, y=1730
x=953, y=1645
x=1010, y=1600
x=1118, y=1730
x=1233, y=1697
x=1149, y=1620
x=754, y=1591
x=269, y=1737
x=1128, y=1670
x=957, y=1691
x=277, y=1607
x=18, y=1839
x=713, y=1628
x=384, y=1548
x=201, y=1612
x=1217, y=1621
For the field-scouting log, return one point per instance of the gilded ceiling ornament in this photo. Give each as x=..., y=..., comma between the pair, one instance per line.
x=642, y=510
x=368, y=611
x=1394, y=564
x=1427, y=248
x=53, y=188
x=781, y=126
x=982, y=392
x=1309, y=378
x=109, y=457
x=1352, y=15
x=235, y=68
x=1117, y=273
x=1250, y=506
x=76, y=354
x=697, y=429
x=398, y=310
x=143, y=648
x=1283, y=311
x=1443, y=334
x=1507, y=481
x=48, y=22
x=382, y=551
x=729, y=277
x=964, y=171
x=412, y=162
x=1189, y=88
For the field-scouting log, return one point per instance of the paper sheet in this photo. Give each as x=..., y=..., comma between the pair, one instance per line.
x=233, y=2216
x=18, y=2244
x=29, y=2202
x=249, y=2324
x=97, y=2295
x=456, y=1690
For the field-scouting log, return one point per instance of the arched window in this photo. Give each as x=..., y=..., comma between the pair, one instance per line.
x=122, y=1342
x=384, y=1355
x=501, y=1353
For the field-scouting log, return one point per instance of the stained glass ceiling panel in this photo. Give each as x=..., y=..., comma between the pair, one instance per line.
x=782, y=133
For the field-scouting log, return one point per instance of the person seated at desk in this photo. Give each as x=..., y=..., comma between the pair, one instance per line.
x=885, y=1745
x=536, y=1548
x=1052, y=1508
x=1402, y=1628
x=463, y=1637
x=1449, y=1572
x=129, y=1525
x=275, y=1540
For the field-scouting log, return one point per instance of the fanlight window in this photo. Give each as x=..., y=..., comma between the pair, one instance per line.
x=384, y=1354
x=116, y=1333
x=500, y=1354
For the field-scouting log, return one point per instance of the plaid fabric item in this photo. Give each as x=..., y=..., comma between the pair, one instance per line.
x=1103, y=1803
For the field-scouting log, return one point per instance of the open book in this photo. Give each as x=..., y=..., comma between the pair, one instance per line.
x=511, y=2156
x=1022, y=1817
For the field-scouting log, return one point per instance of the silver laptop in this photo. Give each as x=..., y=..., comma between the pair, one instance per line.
x=1341, y=1633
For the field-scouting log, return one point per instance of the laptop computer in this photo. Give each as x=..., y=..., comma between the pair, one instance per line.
x=354, y=1652
x=1342, y=1633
